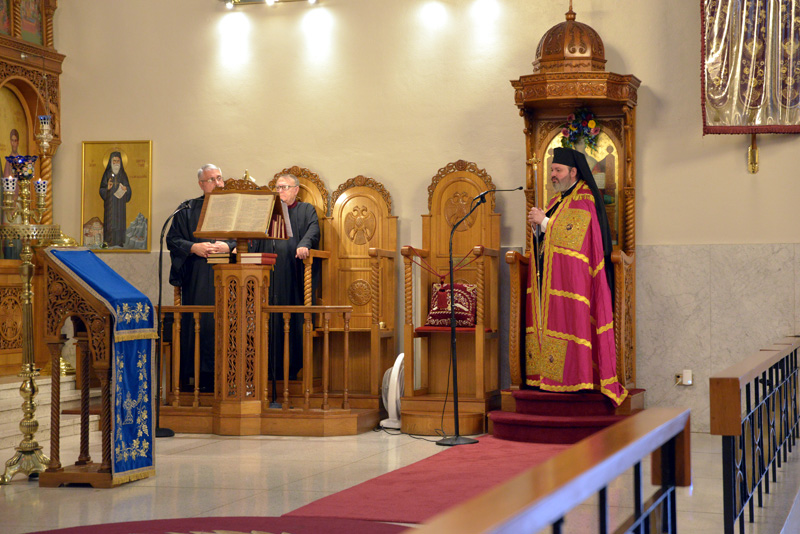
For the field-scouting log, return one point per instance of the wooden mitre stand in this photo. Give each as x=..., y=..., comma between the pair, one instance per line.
x=240, y=375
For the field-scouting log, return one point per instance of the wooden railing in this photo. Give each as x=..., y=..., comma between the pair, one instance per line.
x=308, y=361
x=542, y=496
x=171, y=359
x=756, y=436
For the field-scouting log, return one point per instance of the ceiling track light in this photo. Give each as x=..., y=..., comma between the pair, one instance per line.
x=230, y=4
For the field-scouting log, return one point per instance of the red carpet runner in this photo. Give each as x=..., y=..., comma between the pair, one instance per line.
x=236, y=525
x=423, y=489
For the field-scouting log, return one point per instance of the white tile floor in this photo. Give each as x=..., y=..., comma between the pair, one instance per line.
x=201, y=475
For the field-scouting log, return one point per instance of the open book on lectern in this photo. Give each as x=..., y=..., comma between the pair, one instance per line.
x=250, y=214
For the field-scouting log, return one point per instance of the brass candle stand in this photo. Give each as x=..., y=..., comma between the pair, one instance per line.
x=28, y=458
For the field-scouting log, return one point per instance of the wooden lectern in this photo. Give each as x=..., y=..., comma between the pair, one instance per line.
x=240, y=377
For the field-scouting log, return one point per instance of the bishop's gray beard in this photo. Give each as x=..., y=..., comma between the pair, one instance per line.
x=115, y=168
x=560, y=187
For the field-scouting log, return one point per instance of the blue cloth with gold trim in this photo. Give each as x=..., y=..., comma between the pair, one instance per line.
x=133, y=335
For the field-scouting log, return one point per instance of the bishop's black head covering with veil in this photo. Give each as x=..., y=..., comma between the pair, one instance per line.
x=573, y=158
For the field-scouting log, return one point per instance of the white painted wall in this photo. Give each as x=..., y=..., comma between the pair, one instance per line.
x=374, y=90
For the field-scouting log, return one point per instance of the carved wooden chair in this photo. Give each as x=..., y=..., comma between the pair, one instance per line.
x=476, y=245
x=361, y=237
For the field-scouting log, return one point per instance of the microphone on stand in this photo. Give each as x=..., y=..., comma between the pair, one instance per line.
x=457, y=439
x=482, y=196
x=163, y=432
x=183, y=205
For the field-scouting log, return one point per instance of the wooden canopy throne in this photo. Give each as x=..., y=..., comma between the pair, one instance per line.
x=568, y=75
x=29, y=80
x=477, y=242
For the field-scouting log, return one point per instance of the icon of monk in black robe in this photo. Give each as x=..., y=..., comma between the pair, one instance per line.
x=116, y=192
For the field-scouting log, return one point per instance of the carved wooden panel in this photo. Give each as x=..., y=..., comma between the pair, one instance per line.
x=463, y=167
x=64, y=300
x=361, y=219
x=450, y=194
x=232, y=333
x=10, y=318
x=251, y=301
x=450, y=197
x=364, y=181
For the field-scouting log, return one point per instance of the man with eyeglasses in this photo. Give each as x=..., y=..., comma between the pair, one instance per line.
x=191, y=272
x=286, y=284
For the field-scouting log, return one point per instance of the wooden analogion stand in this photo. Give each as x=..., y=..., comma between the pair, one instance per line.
x=240, y=377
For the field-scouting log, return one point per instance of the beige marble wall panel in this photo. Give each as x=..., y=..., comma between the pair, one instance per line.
x=706, y=307
x=752, y=299
x=796, y=264
x=673, y=326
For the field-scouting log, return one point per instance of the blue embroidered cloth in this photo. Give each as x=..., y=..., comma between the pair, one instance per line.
x=132, y=375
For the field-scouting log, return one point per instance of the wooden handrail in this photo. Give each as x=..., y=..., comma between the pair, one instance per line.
x=177, y=312
x=307, y=309
x=725, y=398
x=382, y=253
x=308, y=263
x=480, y=250
x=619, y=256
x=323, y=254
x=512, y=256
x=545, y=493
x=411, y=251
x=194, y=308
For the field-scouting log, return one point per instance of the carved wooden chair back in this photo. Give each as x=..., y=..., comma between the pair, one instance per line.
x=450, y=196
x=361, y=235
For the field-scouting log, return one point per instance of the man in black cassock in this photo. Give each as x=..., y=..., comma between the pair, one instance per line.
x=115, y=191
x=286, y=284
x=191, y=272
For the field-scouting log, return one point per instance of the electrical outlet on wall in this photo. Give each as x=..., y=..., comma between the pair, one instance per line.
x=684, y=378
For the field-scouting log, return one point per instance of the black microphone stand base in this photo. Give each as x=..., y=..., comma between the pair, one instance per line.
x=164, y=433
x=456, y=440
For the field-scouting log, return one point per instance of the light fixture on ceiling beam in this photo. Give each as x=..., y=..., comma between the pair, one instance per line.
x=230, y=4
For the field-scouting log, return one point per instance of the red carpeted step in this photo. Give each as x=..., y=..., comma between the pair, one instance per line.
x=548, y=428
x=585, y=403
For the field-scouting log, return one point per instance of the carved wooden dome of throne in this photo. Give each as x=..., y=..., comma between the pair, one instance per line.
x=570, y=47
x=568, y=74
